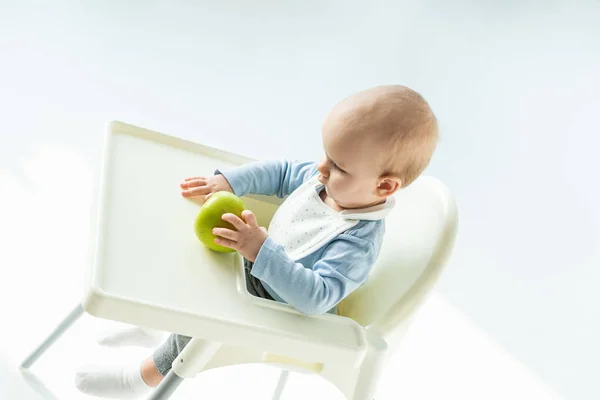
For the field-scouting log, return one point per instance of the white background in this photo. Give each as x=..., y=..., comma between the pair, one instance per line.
x=515, y=84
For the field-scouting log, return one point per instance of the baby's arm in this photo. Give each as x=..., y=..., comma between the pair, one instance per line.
x=263, y=177
x=344, y=266
x=269, y=177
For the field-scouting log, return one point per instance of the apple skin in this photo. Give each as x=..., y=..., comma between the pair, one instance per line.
x=210, y=215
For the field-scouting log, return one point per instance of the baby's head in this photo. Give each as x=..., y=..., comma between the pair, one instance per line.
x=376, y=142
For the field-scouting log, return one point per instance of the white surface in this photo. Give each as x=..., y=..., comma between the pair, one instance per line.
x=515, y=85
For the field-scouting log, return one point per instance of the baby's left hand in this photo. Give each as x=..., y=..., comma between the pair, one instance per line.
x=247, y=240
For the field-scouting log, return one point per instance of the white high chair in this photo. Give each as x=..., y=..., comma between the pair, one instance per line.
x=148, y=269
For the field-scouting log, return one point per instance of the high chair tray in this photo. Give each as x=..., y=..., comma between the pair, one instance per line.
x=149, y=269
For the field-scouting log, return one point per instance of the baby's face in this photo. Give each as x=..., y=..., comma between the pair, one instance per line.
x=349, y=169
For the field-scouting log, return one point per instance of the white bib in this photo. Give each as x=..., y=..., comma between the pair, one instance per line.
x=304, y=223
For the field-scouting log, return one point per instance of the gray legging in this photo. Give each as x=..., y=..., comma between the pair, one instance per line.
x=169, y=350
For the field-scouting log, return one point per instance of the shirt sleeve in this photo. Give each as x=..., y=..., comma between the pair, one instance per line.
x=269, y=177
x=342, y=268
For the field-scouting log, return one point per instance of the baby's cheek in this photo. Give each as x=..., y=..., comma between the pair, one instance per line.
x=354, y=189
x=334, y=184
x=340, y=186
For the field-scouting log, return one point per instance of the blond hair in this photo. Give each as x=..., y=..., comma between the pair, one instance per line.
x=401, y=121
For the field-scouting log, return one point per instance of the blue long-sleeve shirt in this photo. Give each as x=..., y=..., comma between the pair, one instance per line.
x=316, y=283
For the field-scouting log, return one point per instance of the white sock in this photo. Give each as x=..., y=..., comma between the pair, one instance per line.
x=131, y=335
x=113, y=383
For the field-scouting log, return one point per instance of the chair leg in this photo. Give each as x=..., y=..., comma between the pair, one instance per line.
x=285, y=374
x=370, y=369
x=167, y=387
x=65, y=324
x=368, y=378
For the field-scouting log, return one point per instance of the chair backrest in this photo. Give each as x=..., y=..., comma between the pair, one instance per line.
x=419, y=238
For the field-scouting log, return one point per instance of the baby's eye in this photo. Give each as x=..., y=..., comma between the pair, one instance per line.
x=336, y=168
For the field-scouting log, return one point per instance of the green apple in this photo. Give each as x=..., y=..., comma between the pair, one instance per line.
x=210, y=215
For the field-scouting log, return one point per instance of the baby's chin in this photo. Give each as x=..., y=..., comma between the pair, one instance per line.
x=332, y=197
x=328, y=192
x=336, y=200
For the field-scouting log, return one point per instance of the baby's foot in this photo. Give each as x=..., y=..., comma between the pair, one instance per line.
x=131, y=335
x=113, y=383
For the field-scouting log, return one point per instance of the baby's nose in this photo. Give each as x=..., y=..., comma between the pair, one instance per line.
x=322, y=168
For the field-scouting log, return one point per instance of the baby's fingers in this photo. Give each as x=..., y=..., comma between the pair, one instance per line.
x=250, y=218
x=197, y=191
x=234, y=220
x=193, y=182
x=226, y=233
x=227, y=243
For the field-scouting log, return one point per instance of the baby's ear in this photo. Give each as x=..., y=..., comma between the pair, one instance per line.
x=388, y=185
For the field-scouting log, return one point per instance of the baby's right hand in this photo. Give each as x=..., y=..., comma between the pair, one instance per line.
x=203, y=187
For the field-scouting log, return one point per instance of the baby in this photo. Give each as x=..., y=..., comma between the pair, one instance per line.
x=326, y=236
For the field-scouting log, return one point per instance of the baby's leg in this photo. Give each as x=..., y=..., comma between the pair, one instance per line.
x=134, y=381
x=167, y=353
